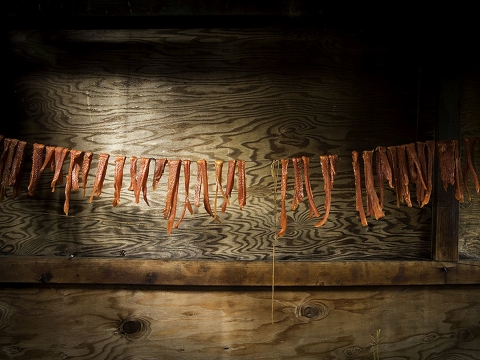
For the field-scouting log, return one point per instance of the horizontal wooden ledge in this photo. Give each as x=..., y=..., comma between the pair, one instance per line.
x=127, y=271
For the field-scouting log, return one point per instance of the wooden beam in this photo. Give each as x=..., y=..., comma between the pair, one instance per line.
x=446, y=209
x=60, y=270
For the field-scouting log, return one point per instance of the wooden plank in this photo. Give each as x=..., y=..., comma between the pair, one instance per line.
x=257, y=94
x=61, y=270
x=416, y=322
x=445, y=216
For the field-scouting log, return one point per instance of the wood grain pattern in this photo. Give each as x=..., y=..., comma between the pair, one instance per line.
x=469, y=231
x=253, y=94
x=73, y=270
x=151, y=323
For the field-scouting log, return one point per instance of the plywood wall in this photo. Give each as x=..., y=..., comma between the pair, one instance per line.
x=254, y=94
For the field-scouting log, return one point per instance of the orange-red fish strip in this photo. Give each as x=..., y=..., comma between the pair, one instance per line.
x=172, y=186
x=118, y=179
x=415, y=162
x=187, y=205
x=283, y=191
x=230, y=182
x=242, y=187
x=87, y=161
x=142, y=180
x=430, y=158
x=60, y=155
x=133, y=174
x=298, y=181
x=74, y=159
x=158, y=172
x=403, y=179
x=372, y=198
x=218, y=185
x=3, y=158
x=384, y=172
x=328, y=164
x=100, y=175
x=358, y=188
x=16, y=170
x=308, y=188
x=393, y=160
x=49, y=159
x=7, y=167
x=37, y=161
x=469, y=147
x=422, y=158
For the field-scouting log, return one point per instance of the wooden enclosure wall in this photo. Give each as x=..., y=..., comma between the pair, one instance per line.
x=224, y=323
x=252, y=94
x=257, y=94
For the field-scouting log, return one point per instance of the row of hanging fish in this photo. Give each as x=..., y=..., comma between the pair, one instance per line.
x=53, y=157
x=399, y=166
x=413, y=163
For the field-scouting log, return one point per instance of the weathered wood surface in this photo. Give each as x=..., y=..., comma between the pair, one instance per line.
x=253, y=94
x=469, y=225
x=163, y=323
x=71, y=270
x=446, y=208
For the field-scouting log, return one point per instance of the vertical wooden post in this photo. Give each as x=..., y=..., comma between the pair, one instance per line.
x=445, y=214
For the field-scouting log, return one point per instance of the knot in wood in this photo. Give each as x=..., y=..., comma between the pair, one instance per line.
x=465, y=335
x=134, y=328
x=131, y=327
x=314, y=310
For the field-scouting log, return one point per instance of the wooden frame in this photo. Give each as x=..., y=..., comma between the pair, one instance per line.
x=442, y=270
x=124, y=271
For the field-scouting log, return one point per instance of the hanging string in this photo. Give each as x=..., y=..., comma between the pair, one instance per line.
x=274, y=167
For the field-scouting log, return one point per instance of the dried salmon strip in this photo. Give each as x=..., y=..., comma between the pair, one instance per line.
x=422, y=158
x=202, y=181
x=449, y=162
x=118, y=179
x=158, y=172
x=283, y=191
x=16, y=169
x=469, y=147
x=133, y=174
x=358, y=188
x=430, y=157
x=187, y=205
x=172, y=186
x=372, y=198
x=12, y=144
x=384, y=172
x=242, y=187
x=416, y=167
x=60, y=155
x=100, y=175
x=218, y=185
x=308, y=187
x=328, y=163
x=403, y=179
x=141, y=180
x=87, y=161
x=393, y=160
x=76, y=172
x=3, y=157
x=74, y=159
x=49, y=159
x=298, y=187
x=37, y=161
x=230, y=182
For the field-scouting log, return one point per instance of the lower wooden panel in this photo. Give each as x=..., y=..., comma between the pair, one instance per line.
x=106, y=322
